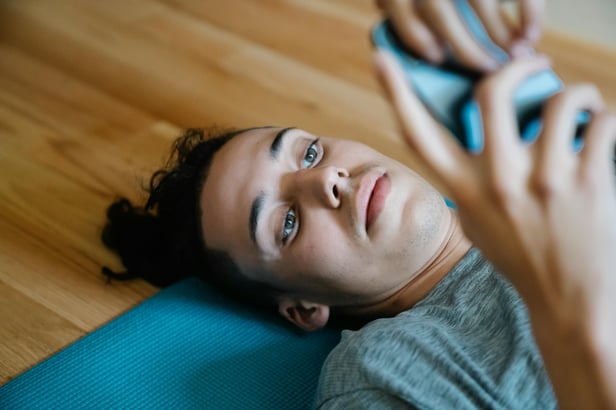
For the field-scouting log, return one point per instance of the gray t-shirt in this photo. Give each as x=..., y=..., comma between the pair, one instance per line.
x=467, y=344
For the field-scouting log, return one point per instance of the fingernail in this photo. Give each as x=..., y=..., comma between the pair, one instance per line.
x=380, y=60
x=520, y=49
x=377, y=64
x=532, y=33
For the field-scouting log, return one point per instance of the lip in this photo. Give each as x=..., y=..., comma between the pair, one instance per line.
x=372, y=193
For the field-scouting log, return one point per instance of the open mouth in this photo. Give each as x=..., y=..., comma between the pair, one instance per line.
x=376, y=201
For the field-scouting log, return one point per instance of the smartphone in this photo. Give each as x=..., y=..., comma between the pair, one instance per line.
x=447, y=89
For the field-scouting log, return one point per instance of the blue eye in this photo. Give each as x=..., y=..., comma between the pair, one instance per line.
x=311, y=155
x=289, y=224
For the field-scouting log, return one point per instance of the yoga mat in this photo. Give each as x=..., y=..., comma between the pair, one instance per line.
x=186, y=347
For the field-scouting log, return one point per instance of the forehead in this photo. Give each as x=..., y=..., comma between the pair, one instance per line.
x=237, y=174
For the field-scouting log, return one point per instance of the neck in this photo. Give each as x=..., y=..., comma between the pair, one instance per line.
x=452, y=250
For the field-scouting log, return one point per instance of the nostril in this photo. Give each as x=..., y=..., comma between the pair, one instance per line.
x=335, y=191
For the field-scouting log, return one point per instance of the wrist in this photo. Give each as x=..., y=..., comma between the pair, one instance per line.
x=602, y=341
x=580, y=359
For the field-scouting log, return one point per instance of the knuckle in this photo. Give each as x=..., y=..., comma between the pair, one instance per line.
x=578, y=94
x=545, y=187
x=589, y=89
x=501, y=193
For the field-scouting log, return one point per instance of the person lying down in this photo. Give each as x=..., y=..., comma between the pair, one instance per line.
x=452, y=308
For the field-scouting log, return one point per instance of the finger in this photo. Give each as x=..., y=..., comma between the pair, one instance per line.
x=531, y=14
x=438, y=151
x=495, y=97
x=444, y=18
x=413, y=31
x=598, y=152
x=489, y=12
x=554, y=146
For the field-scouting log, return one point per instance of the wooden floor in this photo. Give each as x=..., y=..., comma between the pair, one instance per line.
x=92, y=92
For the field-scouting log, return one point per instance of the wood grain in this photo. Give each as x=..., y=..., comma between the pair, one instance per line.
x=92, y=93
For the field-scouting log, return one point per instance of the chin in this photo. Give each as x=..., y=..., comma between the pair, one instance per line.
x=428, y=222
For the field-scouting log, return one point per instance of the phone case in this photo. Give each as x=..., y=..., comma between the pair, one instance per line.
x=447, y=89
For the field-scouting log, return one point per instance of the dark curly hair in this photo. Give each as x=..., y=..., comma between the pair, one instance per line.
x=162, y=241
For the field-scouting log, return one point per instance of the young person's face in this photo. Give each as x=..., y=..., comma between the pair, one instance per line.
x=326, y=220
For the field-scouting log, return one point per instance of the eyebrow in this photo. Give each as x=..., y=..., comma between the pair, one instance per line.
x=255, y=210
x=257, y=203
x=277, y=143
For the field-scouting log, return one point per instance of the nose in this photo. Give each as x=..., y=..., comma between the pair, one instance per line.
x=324, y=184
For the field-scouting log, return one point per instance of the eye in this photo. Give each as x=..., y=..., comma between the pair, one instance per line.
x=311, y=154
x=288, y=225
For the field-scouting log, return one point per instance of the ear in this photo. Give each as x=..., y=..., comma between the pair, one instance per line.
x=306, y=315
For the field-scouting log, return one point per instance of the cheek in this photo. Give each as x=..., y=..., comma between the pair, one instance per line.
x=323, y=255
x=426, y=220
x=325, y=260
x=425, y=224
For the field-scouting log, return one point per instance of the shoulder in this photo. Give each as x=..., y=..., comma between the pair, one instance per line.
x=467, y=344
x=386, y=358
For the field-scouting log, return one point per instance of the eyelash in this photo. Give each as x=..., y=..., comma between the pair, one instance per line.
x=312, y=148
x=289, y=222
x=287, y=230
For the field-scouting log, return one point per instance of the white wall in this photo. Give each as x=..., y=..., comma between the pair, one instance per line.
x=593, y=20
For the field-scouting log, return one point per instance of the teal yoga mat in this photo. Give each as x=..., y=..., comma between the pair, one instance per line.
x=186, y=347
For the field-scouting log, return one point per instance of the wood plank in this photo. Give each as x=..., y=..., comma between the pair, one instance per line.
x=576, y=61
x=92, y=93
x=332, y=42
x=29, y=333
x=246, y=101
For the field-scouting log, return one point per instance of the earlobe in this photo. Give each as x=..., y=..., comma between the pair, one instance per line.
x=306, y=315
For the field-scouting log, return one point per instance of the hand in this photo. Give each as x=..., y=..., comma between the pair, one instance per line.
x=429, y=26
x=544, y=215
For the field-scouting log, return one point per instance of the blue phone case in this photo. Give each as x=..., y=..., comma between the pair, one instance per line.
x=447, y=90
